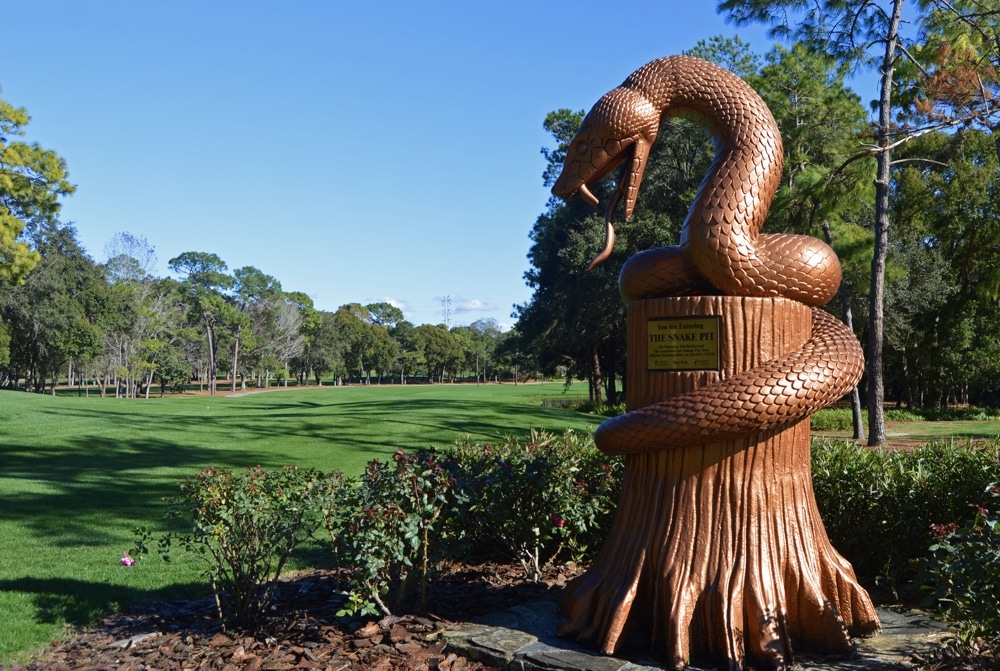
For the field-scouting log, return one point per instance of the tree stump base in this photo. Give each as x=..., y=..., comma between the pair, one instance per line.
x=717, y=553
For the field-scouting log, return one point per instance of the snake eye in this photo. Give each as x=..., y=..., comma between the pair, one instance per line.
x=582, y=148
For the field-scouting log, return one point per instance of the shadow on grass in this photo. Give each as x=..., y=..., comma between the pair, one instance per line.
x=80, y=603
x=413, y=423
x=73, y=490
x=76, y=485
x=371, y=425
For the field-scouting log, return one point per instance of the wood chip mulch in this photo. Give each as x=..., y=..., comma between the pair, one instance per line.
x=303, y=632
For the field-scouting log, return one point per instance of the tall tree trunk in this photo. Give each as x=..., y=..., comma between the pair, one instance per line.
x=210, y=337
x=236, y=356
x=876, y=301
x=596, y=379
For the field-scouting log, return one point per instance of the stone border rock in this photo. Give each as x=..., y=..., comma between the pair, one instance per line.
x=523, y=639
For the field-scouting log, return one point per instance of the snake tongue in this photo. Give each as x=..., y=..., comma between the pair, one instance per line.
x=609, y=232
x=609, y=245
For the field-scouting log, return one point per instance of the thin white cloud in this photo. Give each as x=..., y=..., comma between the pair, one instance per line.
x=408, y=313
x=471, y=305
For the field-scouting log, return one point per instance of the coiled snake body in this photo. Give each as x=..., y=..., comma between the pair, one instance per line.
x=721, y=251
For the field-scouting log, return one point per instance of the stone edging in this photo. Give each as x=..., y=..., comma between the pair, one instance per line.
x=523, y=639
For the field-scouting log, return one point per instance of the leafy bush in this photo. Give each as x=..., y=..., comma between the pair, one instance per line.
x=245, y=529
x=533, y=501
x=840, y=418
x=384, y=526
x=832, y=419
x=904, y=415
x=553, y=497
x=609, y=410
x=962, y=570
x=587, y=407
x=528, y=501
x=894, y=497
x=949, y=414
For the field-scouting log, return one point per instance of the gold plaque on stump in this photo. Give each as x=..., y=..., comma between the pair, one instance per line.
x=682, y=343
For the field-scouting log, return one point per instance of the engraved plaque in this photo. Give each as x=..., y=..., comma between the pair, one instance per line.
x=682, y=343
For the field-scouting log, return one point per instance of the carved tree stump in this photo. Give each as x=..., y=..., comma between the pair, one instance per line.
x=717, y=552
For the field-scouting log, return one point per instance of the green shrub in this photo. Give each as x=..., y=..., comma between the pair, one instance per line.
x=969, y=414
x=608, y=409
x=949, y=414
x=841, y=419
x=590, y=408
x=904, y=415
x=553, y=497
x=832, y=419
x=384, y=527
x=878, y=506
x=534, y=501
x=245, y=529
x=962, y=570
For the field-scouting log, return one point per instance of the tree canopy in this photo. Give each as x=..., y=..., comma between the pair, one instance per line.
x=943, y=77
x=32, y=180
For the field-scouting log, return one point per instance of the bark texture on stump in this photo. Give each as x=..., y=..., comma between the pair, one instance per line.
x=718, y=553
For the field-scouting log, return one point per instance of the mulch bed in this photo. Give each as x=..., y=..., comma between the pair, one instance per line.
x=303, y=632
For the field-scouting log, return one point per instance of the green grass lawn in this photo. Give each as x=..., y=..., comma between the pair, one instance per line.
x=78, y=474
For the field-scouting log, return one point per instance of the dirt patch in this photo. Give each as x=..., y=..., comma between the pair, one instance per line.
x=304, y=630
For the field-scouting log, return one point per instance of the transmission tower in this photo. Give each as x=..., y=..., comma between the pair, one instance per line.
x=446, y=310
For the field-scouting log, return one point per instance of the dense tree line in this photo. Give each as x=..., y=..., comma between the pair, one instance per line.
x=937, y=64
x=923, y=300
x=117, y=327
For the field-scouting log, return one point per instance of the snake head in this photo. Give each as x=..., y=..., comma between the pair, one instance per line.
x=620, y=129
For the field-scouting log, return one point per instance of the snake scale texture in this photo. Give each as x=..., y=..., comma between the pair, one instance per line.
x=721, y=251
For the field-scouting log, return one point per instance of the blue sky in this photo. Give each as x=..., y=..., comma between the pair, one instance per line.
x=356, y=151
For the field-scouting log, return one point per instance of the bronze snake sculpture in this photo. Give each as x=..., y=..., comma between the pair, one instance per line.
x=721, y=251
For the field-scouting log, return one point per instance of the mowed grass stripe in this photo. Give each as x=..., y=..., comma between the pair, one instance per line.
x=78, y=474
